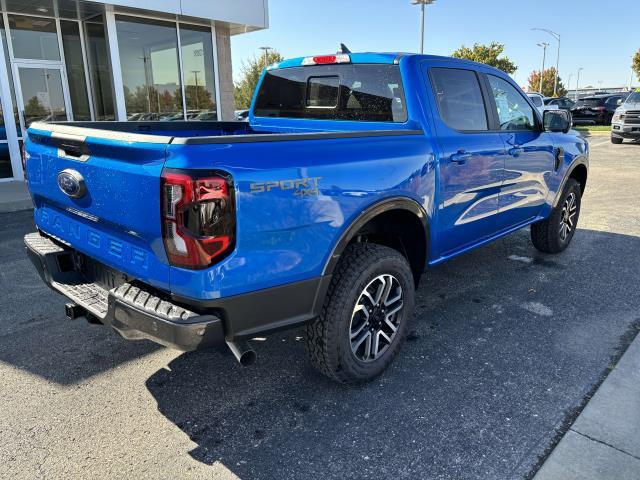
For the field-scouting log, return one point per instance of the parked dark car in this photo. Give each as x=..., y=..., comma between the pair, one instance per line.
x=596, y=110
x=563, y=103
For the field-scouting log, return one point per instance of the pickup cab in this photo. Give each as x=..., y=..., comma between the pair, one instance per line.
x=354, y=173
x=625, y=122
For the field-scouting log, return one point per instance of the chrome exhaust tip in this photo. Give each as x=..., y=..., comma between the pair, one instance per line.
x=243, y=352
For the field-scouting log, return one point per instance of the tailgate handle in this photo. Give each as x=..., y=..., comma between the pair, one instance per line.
x=73, y=151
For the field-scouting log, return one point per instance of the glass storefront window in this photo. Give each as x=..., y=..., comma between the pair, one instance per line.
x=5, y=160
x=150, y=71
x=8, y=63
x=99, y=69
x=198, y=72
x=34, y=38
x=70, y=31
x=39, y=7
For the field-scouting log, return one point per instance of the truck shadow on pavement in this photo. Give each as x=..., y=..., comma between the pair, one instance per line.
x=35, y=336
x=505, y=342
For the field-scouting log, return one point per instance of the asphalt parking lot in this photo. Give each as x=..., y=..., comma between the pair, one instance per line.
x=507, y=345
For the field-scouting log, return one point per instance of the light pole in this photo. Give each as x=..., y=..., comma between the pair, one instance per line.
x=266, y=54
x=544, y=46
x=557, y=37
x=423, y=4
x=578, y=83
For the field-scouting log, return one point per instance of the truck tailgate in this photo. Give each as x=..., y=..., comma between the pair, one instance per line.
x=116, y=220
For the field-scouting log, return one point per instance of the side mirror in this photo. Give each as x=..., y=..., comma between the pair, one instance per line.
x=558, y=121
x=619, y=102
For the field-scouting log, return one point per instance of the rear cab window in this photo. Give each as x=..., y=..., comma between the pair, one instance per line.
x=589, y=102
x=459, y=99
x=357, y=92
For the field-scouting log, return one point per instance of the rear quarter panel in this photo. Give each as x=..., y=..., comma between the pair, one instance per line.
x=285, y=235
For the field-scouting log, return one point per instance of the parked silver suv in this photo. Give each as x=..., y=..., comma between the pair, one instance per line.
x=626, y=119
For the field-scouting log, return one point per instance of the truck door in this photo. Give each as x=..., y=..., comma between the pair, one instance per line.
x=530, y=159
x=471, y=159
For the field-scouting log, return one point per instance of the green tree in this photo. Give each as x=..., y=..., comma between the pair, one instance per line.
x=548, y=81
x=636, y=63
x=34, y=108
x=488, y=54
x=251, y=71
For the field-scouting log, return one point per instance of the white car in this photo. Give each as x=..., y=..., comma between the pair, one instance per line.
x=538, y=101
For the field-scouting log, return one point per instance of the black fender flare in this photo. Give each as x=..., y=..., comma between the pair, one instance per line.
x=581, y=160
x=394, y=203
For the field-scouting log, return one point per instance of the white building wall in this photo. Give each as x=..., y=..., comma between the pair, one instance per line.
x=252, y=13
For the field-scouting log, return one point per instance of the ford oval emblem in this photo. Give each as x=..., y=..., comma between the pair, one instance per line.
x=71, y=183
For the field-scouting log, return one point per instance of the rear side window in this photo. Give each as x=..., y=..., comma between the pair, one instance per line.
x=459, y=99
x=362, y=92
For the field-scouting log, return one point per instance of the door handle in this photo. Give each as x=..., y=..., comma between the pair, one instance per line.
x=515, y=151
x=460, y=157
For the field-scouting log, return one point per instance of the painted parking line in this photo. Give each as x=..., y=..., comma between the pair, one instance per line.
x=600, y=142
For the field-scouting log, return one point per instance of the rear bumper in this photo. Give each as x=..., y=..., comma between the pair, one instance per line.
x=138, y=311
x=131, y=310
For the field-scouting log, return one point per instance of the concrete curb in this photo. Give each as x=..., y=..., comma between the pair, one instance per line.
x=604, y=441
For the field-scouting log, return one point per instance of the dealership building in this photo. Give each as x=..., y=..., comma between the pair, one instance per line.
x=95, y=61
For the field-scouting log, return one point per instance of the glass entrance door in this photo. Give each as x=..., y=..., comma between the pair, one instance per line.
x=41, y=93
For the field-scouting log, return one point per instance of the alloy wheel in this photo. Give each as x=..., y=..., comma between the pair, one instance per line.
x=567, y=217
x=376, y=317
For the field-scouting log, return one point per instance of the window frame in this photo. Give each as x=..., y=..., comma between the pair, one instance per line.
x=483, y=93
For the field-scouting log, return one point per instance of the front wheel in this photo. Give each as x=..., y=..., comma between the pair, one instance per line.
x=365, y=316
x=616, y=140
x=554, y=234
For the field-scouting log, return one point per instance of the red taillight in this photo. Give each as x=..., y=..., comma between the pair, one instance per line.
x=601, y=109
x=25, y=156
x=198, y=216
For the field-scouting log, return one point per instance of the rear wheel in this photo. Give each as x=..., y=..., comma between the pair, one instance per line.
x=554, y=234
x=365, y=316
x=616, y=140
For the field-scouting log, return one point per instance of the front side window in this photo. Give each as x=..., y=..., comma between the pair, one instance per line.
x=514, y=112
x=360, y=92
x=459, y=99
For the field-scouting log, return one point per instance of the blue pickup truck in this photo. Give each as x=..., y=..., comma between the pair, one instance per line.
x=354, y=173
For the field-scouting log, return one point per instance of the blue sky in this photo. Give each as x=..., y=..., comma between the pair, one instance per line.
x=598, y=36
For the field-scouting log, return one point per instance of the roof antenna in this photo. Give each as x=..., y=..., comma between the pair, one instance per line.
x=344, y=49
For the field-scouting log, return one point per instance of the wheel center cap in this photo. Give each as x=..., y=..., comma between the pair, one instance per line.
x=377, y=317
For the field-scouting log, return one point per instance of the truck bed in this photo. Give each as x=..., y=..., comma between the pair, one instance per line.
x=184, y=132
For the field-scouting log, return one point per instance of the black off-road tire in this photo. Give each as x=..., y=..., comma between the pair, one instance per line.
x=546, y=234
x=328, y=337
x=617, y=140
